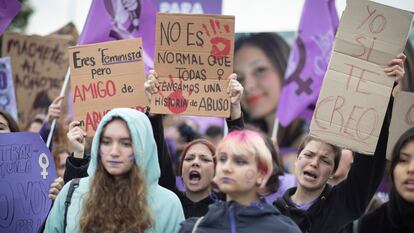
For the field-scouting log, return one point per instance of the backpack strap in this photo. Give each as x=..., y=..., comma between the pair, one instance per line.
x=73, y=185
x=355, y=226
x=196, y=224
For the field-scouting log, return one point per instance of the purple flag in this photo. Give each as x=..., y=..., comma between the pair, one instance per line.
x=308, y=59
x=26, y=172
x=122, y=19
x=8, y=9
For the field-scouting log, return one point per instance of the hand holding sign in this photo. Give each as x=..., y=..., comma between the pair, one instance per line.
x=76, y=137
x=396, y=69
x=235, y=91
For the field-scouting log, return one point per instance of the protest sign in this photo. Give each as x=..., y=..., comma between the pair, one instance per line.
x=193, y=59
x=7, y=95
x=39, y=67
x=355, y=92
x=189, y=6
x=104, y=76
x=402, y=118
x=26, y=171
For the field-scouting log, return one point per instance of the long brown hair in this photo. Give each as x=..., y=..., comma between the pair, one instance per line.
x=116, y=205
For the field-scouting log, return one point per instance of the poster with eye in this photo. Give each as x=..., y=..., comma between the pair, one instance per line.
x=193, y=59
x=355, y=92
x=105, y=76
x=402, y=118
x=26, y=171
x=39, y=66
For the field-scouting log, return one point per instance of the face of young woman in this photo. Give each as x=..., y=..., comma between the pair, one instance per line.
x=314, y=166
x=238, y=176
x=4, y=125
x=404, y=173
x=116, y=148
x=198, y=168
x=260, y=80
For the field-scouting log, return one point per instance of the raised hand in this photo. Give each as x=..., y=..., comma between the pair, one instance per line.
x=76, y=137
x=235, y=91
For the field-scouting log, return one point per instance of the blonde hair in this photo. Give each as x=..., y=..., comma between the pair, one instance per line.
x=247, y=142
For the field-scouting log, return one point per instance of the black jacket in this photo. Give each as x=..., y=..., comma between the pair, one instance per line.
x=347, y=201
x=226, y=217
x=395, y=216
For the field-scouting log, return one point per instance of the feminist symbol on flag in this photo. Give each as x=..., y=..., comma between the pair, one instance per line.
x=303, y=86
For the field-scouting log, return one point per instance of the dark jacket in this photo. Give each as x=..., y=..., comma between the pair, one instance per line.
x=395, y=216
x=347, y=201
x=200, y=208
x=231, y=217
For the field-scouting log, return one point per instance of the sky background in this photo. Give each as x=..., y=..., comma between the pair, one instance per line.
x=265, y=15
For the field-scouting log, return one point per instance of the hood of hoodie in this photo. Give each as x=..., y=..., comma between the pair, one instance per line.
x=145, y=149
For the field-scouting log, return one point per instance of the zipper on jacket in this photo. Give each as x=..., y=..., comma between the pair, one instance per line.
x=232, y=220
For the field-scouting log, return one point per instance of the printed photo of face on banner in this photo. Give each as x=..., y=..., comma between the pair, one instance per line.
x=260, y=61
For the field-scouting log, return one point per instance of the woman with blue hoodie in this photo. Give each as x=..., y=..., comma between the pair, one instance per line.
x=121, y=193
x=244, y=165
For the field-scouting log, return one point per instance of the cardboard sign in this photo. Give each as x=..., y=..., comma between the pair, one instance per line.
x=105, y=76
x=193, y=58
x=7, y=95
x=39, y=68
x=402, y=118
x=26, y=172
x=355, y=92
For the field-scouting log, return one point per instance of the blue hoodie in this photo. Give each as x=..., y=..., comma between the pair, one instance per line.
x=165, y=205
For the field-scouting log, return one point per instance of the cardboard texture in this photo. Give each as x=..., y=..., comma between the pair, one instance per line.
x=355, y=91
x=39, y=66
x=106, y=76
x=402, y=118
x=195, y=54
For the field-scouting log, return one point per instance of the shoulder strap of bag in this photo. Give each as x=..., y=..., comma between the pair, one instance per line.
x=355, y=226
x=73, y=185
x=196, y=224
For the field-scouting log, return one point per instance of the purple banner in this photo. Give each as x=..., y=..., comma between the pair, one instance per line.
x=122, y=19
x=8, y=9
x=7, y=94
x=309, y=59
x=26, y=172
x=190, y=6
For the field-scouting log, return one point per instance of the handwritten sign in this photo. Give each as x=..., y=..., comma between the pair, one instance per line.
x=39, y=68
x=402, y=118
x=193, y=58
x=26, y=172
x=105, y=76
x=355, y=92
x=7, y=95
